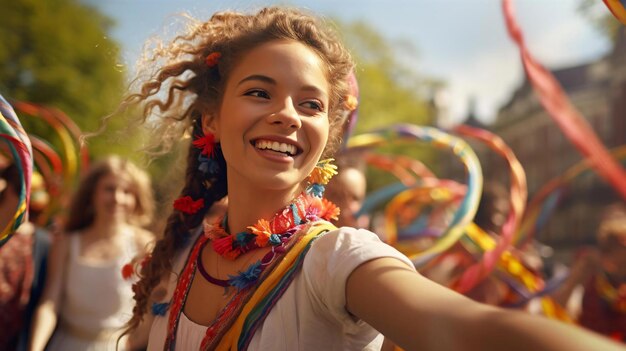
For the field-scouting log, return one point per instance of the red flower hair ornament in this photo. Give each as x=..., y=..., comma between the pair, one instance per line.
x=128, y=270
x=212, y=59
x=188, y=205
x=206, y=143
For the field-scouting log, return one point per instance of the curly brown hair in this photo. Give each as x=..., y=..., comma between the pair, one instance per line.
x=176, y=96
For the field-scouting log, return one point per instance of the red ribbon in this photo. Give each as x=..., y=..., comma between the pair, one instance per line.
x=571, y=122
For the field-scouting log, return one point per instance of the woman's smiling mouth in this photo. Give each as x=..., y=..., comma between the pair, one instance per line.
x=276, y=146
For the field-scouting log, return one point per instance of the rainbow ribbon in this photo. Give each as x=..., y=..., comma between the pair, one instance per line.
x=469, y=203
x=66, y=130
x=517, y=200
x=48, y=162
x=13, y=134
x=65, y=168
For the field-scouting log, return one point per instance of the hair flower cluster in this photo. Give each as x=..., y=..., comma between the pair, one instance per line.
x=145, y=260
x=207, y=165
x=323, y=172
x=188, y=205
x=212, y=59
x=128, y=270
x=159, y=309
x=206, y=143
x=351, y=102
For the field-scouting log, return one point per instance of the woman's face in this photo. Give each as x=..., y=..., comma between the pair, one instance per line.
x=273, y=121
x=114, y=198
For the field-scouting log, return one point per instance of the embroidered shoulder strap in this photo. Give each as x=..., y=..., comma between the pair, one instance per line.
x=269, y=292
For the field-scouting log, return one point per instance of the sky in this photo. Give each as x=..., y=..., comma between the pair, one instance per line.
x=462, y=42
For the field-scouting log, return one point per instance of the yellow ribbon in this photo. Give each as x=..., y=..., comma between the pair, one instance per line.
x=230, y=339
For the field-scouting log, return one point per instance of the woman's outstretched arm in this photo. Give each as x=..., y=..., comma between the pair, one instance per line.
x=418, y=314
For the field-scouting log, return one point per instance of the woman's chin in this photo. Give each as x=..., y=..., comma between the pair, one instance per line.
x=279, y=182
x=115, y=217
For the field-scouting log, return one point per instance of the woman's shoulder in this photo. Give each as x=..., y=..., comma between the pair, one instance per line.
x=351, y=247
x=345, y=238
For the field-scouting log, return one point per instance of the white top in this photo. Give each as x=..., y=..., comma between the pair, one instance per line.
x=96, y=295
x=311, y=314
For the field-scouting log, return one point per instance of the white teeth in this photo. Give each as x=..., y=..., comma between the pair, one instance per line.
x=275, y=146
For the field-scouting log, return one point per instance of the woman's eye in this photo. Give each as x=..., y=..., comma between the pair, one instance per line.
x=258, y=93
x=313, y=105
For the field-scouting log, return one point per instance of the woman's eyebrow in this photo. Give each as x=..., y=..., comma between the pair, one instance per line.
x=258, y=77
x=314, y=89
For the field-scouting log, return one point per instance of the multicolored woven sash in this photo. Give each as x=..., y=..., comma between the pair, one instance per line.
x=253, y=314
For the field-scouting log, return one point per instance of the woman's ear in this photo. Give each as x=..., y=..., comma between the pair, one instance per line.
x=210, y=125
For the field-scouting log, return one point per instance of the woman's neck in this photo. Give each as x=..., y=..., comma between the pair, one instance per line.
x=247, y=205
x=106, y=227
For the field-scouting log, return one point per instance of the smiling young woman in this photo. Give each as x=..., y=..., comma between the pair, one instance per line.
x=264, y=96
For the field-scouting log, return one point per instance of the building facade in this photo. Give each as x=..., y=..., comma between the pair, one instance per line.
x=598, y=90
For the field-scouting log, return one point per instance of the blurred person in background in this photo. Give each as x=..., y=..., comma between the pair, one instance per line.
x=86, y=298
x=22, y=259
x=448, y=267
x=595, y=290
x=347, y=189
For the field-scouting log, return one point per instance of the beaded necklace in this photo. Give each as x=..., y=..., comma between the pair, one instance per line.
x=278, y=233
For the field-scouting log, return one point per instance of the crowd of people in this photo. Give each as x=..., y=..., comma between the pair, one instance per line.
x=263, y=248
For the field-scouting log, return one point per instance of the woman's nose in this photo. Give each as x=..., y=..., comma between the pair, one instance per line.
x=120, y=196
x=287, y=116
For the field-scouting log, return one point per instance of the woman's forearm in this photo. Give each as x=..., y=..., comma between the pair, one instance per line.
x=520, y=331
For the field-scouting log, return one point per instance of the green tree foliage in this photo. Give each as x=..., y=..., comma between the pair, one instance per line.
x=57, y=53
x=391, y=91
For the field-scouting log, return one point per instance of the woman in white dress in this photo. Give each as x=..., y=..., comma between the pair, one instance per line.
x=86, y=298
